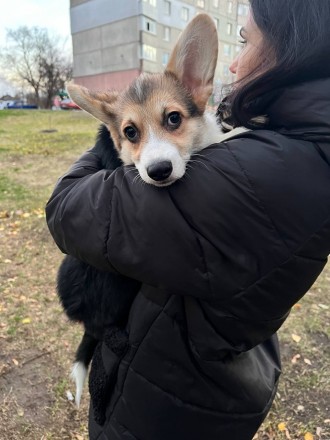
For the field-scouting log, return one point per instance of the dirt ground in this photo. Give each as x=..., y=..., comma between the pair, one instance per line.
x=37, y=341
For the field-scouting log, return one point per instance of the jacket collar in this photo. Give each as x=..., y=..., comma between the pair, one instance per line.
x=303, y=111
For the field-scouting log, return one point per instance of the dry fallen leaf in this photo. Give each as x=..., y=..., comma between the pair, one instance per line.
x=295, y=337
x=26, y=321
x=307, y=361
x=297, y=306
x=323, y=306
x=287, y=435
x=308, y=436
x=4, y=214
x=15, y=362
x=69, y=396
x=295, y=358
x=281, y=426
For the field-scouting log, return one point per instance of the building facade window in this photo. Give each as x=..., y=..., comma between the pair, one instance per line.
x=225, y=70
x=242, y=10
x=229, y=28
x=201, y=4
x=227, y=50
x=149, y=52
x=230, y=7
x=184, y=14
x=167, y=7
x=165, y=58
x=149, y=25
x=151, y=2
x=166, y=33
x=215, y=3
x=216, y=22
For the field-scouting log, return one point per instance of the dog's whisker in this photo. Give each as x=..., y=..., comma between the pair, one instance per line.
x=126, y=172
x=129, y=170
x=187, y=175
x=138, y=179
x=204, y=155
x=200, y=162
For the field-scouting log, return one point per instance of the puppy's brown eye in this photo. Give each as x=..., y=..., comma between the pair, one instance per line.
x=174, y=120
x=131, y=133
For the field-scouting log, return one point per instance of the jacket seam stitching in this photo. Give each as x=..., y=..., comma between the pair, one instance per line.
x=124, y=381
x=321, y=153
x=108, y=235
x=294, y=255
x=261, y=205
x=196, y=235
x=125, y=427
x=242, y=415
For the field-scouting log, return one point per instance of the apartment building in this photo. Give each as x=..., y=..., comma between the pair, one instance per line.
x=115, y=40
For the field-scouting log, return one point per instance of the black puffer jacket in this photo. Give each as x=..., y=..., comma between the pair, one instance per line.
x=222, y=254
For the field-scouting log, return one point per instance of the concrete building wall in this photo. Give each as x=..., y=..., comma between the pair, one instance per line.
x=93, y=13
x=115, y=40
x=77, y=2
x=109, y=80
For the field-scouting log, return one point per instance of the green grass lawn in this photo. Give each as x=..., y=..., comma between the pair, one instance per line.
x=37, y=341
x=36, y=147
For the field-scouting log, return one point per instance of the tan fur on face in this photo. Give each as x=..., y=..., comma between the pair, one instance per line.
x=167, y=97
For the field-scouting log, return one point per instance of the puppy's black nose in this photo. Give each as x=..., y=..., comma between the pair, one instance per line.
x=160, y=170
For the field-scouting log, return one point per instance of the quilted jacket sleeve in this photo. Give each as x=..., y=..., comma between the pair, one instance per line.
x=108, y=220
x=234, y=232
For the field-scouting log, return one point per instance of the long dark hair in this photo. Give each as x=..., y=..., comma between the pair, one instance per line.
x=298, y=33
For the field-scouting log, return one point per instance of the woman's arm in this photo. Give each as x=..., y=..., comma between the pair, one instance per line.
x=113, y=222
x=208, y=236
x=156, y=235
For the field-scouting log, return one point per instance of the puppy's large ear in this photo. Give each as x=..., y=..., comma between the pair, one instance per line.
x=194, y=58
x=98, y=104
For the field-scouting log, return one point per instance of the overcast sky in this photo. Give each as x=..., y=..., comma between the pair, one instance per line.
x=51, y=14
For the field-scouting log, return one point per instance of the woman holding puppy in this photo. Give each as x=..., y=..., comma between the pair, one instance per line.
x=222, y=254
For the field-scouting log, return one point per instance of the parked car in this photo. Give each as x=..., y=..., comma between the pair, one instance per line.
x=4, y=104
x=21, y=105
x=64, y=104
x=68, y=104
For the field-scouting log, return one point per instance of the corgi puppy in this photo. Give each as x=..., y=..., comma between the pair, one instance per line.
x=157, y=123
x=160, y=120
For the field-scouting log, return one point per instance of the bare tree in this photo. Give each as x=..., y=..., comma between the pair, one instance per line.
x=55, y=70
x=36, y=59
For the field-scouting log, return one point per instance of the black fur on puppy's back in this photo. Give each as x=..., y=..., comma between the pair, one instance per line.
x=96, y=298
x=106, y=150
